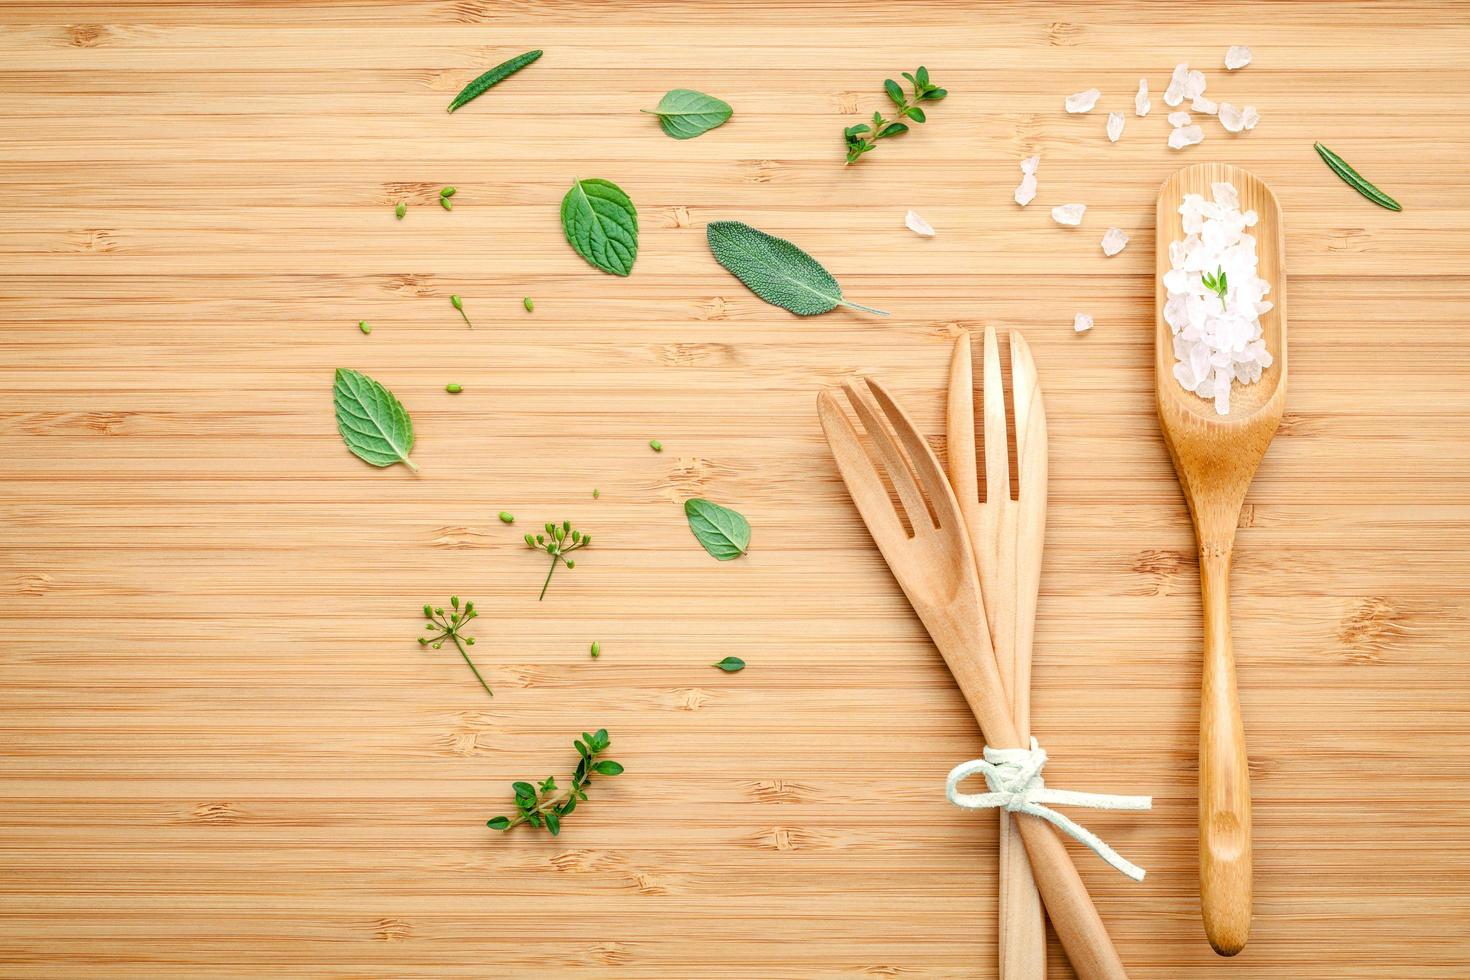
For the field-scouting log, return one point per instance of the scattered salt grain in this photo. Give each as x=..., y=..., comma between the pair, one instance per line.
x=1026, y=193
x=1235, y=120
x=1179, y=118
x=1141, y=104
x=1194, y=84
x=1202, y=104
x=1114, y=241
x=1216, y=342
x=918, y=225
x=1068, y=214
x=1185, y=136
x=1174, y=94
x=1115, y=126
x=1237, y=57
x=1083, y=101
x=1082, y=323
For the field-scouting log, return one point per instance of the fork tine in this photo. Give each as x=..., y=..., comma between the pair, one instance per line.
x=900, y=473
x=1030, y=416
x=926, y=464
x=997, y=448
x=859, y=473
x=960, y=424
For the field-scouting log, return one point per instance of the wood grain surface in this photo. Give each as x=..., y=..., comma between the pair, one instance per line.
x=223, y=754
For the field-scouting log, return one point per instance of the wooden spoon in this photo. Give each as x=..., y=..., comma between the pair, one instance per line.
x=1215, y=457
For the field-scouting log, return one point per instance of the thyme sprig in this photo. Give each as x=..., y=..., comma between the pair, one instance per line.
x=558, y=542
x=450, y=626
x=544, y=804
x=864, y=136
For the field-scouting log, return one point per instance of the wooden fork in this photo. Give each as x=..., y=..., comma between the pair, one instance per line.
x=935, y=567
x=1006, y=536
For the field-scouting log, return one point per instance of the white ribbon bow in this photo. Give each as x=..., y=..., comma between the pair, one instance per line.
x=1014, y=779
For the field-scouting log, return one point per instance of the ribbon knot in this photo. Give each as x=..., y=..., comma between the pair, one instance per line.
x=1014, y=779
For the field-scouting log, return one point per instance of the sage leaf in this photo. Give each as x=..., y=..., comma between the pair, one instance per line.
x=724, y=533
x=373, y=423
x=730, y=664
x=776, y=270
x=601, y=223
x=685, y=113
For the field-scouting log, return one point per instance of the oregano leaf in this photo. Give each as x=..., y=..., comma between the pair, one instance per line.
x=601, y=223
x=776, y=270
x=685, y=113
x=730, y=665
x=374, y=424
x=724, y=533
x=607, y=767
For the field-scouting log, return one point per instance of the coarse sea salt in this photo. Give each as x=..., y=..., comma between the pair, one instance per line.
x=1185, y=136
x=1237, y=57
x=1141, y=104
x=1235, y=120
x=1216, y=342
x=1179, y=118
x=1202, y=104
x=1174, y=94
x=1114, y=241
x=1083, y=101
x=1194, y=84
x=916, y=224
x=1115, y=126
x=1026, y=193
x=1082, y=323
x=1068, y=214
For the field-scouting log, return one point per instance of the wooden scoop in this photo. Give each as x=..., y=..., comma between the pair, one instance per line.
x=1215, y=457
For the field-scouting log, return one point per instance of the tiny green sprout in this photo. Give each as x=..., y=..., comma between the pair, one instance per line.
x=401, y=210
x=507, y=517
x=596, y=649
x=529, y=305
x=453, y=389
x=458, y=304
x=544, y=804
x=596, y=493
x=559, y=541
x=447, y=192
x=446, y=204
x=1216, y=283
x=655, y=445
x=364, y=326
x=450, y=627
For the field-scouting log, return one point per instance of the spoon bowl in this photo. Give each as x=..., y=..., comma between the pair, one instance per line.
x=1215, y=457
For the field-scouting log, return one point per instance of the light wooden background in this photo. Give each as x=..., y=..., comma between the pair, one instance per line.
x=223, y=752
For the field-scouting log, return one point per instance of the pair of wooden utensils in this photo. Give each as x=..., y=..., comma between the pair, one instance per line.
x=943, y=542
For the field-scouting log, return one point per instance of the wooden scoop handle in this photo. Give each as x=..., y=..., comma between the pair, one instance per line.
x=1224, y=776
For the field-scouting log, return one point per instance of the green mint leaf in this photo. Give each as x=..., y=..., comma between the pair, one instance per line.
x=724, y=533
x=607, y=767
x=374, y=424
x=601, y=223
x=730, y=665
x=776, y=270
x=685, y=113
x=492, y=77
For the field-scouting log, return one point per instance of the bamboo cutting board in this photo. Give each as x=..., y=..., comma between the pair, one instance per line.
x=223, y=754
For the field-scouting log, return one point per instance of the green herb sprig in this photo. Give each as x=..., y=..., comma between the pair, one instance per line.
x=458, y=304
x=1215, y=282
x=1355, y=180
x=544, y=805
x=864, y=136
x=493, y=77
x=558, y=542
x=450, y=626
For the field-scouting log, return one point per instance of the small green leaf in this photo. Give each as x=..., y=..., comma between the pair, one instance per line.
x=607, y=767
x=374, y=424
x=922, y=76
x=893, y=129
x=894, y=90
x=685, y=113
x=507, y=517
x=524, y=790
x=776, y=270
x=724, y=533
x=914, y=113
x=601, y=223
x=935, y=94
x=401, y=210
x=494, y=76
x=498, y=823
x=730, y=665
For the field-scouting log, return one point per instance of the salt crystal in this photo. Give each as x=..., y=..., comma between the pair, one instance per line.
x=1194, y=84
x=1026, y=192
x=1249, y=116
x=918, y=225
x=1115, y=126
x=1235, y=120
x=1174, y=94
x=1082, y=323
x=1202, y=104
x=1185, y=136
x=1114, y=241
x=1141, y=104
x=1227, y=196
x=1237, y=57
x=1083, y=101
x=1178, y=118
x=1068, y=214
